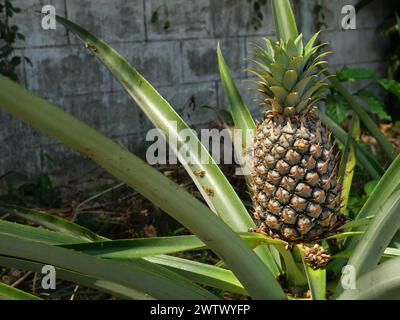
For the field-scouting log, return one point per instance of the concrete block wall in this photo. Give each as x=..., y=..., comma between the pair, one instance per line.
x=180, y=61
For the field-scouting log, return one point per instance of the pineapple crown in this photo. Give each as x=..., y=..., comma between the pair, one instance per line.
x=288, y=73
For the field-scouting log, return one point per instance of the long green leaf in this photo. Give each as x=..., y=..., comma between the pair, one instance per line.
x=195, y=271
x=201, y=273
x=356, y=223
x=348, y=162
x=243, y=143
x=141, y=275
x=382, y=283
x=254, y=239
x=378, y=235
x=366, y=161
x=128, y=250
x=295, y=277
x=37, y=234
x=392, y=252
x=143, y=247
x=285, y=24
x=128, y=168
x=140, y=247
x=124, y=249
x=240, y=113
x=223, y=199
x=385, y=187
x=10, y=293
x=345, y=235
x=317, y=282
x=116, y=249
x=388, y=253
x=51, y=222
x=365, y=118
x=102, y=285
x=380, y=232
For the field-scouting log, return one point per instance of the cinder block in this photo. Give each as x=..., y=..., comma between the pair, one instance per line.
x=135, y=143
x=233, y=18
x=18, y=137
x=377, y=66
x=124, y=117
x=158, y=62
x=358, y=46
x=22, y=163
x=247, y=94
x=93, y=109
x=191, y=101
x=114, y=21
x=178, y=19
x=200, y=58
x=20, y=69
x=62, y=71
x=18, y=132
x=30, y=23
x=112, y=113
x=64, y=164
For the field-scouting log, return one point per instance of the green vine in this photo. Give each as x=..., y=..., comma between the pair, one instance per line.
x=9, y=34
x=155, y=17
x=257, y=16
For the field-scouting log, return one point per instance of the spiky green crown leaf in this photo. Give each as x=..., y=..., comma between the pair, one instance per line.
x=288, y=73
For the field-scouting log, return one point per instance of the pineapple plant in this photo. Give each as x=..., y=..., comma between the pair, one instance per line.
x=295, y=189
x=295, y=186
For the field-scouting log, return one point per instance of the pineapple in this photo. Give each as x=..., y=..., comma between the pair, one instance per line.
x=294, y=182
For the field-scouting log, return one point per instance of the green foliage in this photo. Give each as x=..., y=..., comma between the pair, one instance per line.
x=41, y=192
x=366, y=160
x=368, y=122
x=337, y=106
x=354, y=74
x=9, y=34
x=156, y=20
x=391, y=29
x=357, y=200
x=374, y=103
x=391, y=86
x=370, y=186
x=257, y=16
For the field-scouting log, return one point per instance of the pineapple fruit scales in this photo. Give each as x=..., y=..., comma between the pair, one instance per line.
x=295, y=189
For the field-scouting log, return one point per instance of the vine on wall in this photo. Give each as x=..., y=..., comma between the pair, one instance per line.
x=9, y=34
x=257, y=16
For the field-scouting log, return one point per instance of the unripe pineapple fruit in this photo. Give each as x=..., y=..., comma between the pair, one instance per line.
x=294, y=181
